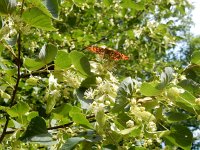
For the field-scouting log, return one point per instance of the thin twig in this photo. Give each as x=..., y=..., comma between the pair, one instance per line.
x=91, y=119
x=18, y=79
x=15, y=89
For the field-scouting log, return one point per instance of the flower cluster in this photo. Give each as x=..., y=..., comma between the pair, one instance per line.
x=105, y=92
x=72, y=79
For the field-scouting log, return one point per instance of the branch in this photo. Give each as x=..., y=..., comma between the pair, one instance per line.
x=18, y=79
x=91, y=117
x=15, y=88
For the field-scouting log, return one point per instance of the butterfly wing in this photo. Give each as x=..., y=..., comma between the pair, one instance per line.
x=112, y=54
x=115, y=55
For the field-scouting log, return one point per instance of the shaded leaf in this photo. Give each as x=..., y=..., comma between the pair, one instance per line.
x=176, y=116
x=193, y=72
x=124, y=92
x=180, y=136
x=37, y=132
x=89, y=82
x=48, y=53
x=122, y=118
x=52, y=6
x=71, y=143
x=85, y=103
x=62, y=111
x=191, y=86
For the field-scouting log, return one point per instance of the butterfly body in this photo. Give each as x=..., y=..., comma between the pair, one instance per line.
x=110, y=53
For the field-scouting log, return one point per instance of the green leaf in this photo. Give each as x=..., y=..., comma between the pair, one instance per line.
x=150, y=89
x=52, y=6
x=89, y=82
x=176, y=116
x=37, y=18
x=128, y=4
x=18, y=110
x=48, y=53
x=120, y=105
x=191, y=86
x=37, y=132
x=51, y=100
x=193, y=72
x=133, y=5
x=100, y=118
x=7, y=6
x=79, y=118
x=62, y=110
x=61, y=114
x=132, y=132
x=71, y=143
x=113, y=137
x=80, y=62
x=195, y=57
x=32, y=64
x=32, y=81
x=40, y=5
x=124, y=92
x=180, y=136
x=62, y=60
x=4, y=95
x=32, y=115
x=107, y=3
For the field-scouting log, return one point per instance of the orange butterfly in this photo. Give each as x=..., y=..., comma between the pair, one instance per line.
x=112, y=54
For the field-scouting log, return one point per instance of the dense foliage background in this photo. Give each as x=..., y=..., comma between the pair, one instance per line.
x=55, y=94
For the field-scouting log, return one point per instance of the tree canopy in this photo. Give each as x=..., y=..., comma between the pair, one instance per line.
x=98, y=74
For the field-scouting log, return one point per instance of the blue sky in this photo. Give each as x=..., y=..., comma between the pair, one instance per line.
x=196, y=17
